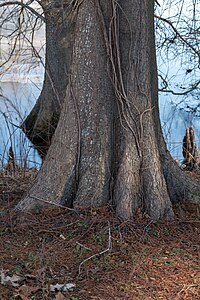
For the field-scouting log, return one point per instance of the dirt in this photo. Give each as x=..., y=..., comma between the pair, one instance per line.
x=102, y=257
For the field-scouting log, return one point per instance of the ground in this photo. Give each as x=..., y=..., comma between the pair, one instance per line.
x=102, y=257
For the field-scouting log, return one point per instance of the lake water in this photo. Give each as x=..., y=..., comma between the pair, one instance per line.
x=21, y=77
x=21, y=96
x=18, y=100
x=175, y=119
x=21, y=86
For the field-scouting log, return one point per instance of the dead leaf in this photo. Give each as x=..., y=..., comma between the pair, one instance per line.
x=62, y=287
x=14, y=280
x=27, y=290
x=23, y=297
x=60, y=296
x=41, y=274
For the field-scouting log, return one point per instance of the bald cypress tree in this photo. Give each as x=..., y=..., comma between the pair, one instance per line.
x=108, y=145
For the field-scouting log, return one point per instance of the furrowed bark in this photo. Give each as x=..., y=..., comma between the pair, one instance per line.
x=108, y=147
x=81, y=150
x=41, y=123
x=136, y=74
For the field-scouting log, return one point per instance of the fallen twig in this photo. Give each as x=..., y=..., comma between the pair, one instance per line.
x=53, y=203
x=81, y=245
x=100, y=253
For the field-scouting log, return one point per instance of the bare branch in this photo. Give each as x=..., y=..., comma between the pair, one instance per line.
x=193, y=87
x=24, y=6
x=178, y=34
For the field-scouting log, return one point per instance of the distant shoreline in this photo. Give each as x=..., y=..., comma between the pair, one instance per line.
x=32, y=79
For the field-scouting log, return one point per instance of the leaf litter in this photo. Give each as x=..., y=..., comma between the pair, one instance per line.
x=41, y=254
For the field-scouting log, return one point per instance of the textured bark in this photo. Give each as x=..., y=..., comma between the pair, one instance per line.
x=190, y=151
x=140, y=170
x=108, y=146
x=41, y=123
x=81, y=152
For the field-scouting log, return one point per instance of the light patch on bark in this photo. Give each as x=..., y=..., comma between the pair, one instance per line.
x=157, y=201
x=127, y=191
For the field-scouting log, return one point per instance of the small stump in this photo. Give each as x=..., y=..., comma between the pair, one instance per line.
x=190, y=151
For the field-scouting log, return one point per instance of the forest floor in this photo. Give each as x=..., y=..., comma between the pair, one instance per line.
x=63, y=254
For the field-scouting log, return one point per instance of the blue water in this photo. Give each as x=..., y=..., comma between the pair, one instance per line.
x=18, y=100
x=175, y=120
x=21, y=96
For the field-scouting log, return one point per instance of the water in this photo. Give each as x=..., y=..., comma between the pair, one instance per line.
x=174, y=121
x=21, y=86
x=21, y=77
x=21, y=96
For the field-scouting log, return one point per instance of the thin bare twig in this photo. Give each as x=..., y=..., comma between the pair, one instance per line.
x=52, y=203
x=100, y=253
x=24, y=6
x=178, y=34
x=81, y=245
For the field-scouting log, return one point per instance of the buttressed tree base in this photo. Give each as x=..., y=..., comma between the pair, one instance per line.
x=108, y=146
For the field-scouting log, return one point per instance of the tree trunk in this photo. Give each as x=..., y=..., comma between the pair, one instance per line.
x=41, y=123
x=108, y=147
